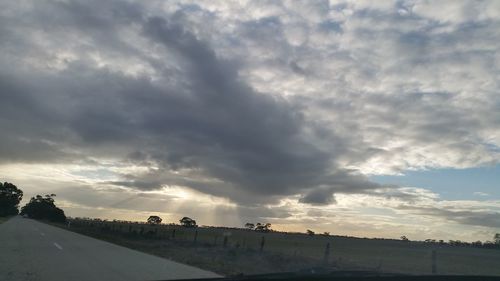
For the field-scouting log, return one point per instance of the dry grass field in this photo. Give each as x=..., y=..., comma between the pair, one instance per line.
x=233, y=251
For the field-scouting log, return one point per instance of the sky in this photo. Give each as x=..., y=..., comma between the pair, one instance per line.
x=362, y=118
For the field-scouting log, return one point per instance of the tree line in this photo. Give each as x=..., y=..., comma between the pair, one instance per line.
x=262, y=227
x=185, y=221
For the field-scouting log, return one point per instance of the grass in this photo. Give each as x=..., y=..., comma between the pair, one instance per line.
x=289, y=252
x=229, y=261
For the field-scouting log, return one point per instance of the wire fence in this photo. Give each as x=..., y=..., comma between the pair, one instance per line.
x=332, y=251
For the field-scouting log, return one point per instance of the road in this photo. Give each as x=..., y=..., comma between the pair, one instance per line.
x=31, y=250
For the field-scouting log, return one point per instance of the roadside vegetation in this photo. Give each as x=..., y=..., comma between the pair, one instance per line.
x=39, y=207
x=43, y=208
x=257, y=250
x=10, y=197
x=221, y=250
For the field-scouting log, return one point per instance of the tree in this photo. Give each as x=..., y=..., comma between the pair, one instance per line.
x=478, y=243
x=310, y=232
x=43, y=207
x=188, y=222
x=496, y=238
x=249, y=225
x=10, y=196
x=404, y=238
x=155, y=220
x=263, y=227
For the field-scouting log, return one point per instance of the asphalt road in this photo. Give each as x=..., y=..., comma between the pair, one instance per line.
x=30, y=250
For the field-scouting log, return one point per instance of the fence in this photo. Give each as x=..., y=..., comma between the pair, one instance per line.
x=383, y=255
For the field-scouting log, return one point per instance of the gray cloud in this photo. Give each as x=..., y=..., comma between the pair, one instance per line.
x=319, y=196
x=295, y=100
x=196, y=115
x=468, y=217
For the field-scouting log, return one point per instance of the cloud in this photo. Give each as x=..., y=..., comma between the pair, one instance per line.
x=479, y=193
x=405, y=91
x=320, y=196
x=467, y=217
x=194, y=118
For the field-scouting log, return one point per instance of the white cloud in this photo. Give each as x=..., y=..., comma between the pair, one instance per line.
x=479, y=193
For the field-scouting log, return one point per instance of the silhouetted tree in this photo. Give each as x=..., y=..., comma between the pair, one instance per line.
x=455, y=242
x=478, y=243
x=404, y=238
x=489, y=244
x=263, y=227
x=326, y=233
x=43, y=207
x=188, y=222
x=249, y=225
x=155, y=220
x=310, y=232
x=496, y=238
x=10, y=196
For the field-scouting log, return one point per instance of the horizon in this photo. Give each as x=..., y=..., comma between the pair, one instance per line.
x=272, y=230
x=358, y=118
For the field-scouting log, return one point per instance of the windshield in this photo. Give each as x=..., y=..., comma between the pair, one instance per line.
x=157, y=140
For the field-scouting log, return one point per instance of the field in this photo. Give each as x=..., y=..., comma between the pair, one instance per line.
x=238, y=251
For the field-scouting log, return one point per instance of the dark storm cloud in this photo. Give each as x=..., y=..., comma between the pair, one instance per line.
x=319, y=196
x=198, y=115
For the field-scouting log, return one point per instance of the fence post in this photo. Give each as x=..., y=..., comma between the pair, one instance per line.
x=173, y=233
x=224, y=244
x=296, y=249
x=262, y=243
x=195, y=236
x=434, y=262
x=379, y=266
x=327, y=253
